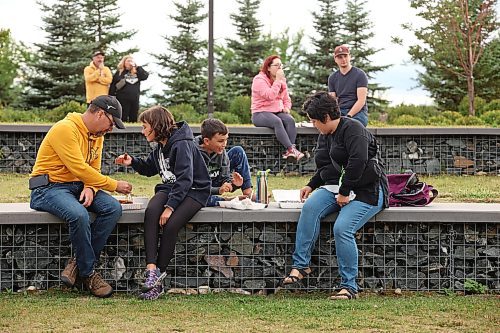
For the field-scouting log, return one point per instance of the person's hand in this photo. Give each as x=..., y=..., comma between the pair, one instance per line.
x=286, y=110
x=280, y=75
x=226, y=187
x=165, y=216
x=342, y=200
x=123, y=187
x=124, y=159
x=304, y=193
x=132, y=64
x=86, y=197
x=237, y=179
x=101, y=65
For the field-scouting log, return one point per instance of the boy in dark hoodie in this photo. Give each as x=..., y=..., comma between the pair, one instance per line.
x=184, y=191
x=228, y=170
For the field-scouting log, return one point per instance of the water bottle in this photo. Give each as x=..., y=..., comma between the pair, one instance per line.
x=262, y=187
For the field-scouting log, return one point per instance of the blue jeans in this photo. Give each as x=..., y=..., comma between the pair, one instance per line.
x=350, y=219
x=88, y=238
x=361, y=116
x=238, y=162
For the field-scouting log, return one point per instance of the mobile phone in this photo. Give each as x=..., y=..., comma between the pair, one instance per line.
x=38, y=181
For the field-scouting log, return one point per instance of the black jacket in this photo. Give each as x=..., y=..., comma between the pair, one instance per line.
x=181, y=167
x=132, y=87
x=354, y=149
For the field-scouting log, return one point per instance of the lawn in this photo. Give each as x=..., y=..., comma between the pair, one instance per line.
x=451, y=188
x=61, y=311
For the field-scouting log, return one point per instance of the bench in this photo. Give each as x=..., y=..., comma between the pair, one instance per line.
x=21, y=213
x=436, y=247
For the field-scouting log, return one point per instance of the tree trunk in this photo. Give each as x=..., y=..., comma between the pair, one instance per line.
x=470, y=94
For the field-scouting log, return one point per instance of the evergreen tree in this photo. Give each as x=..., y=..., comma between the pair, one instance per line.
x=357, y=34
x=186, y=64
x=58, y=67
x=102, y=30
x=248, y=51
x=320, y=62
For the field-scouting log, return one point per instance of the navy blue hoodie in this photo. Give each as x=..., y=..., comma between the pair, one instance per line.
x=180, y=166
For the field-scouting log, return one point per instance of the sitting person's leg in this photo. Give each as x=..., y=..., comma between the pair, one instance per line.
x=108, y=211
x=289, y=125
x=213, y=200
x=320, y=204
x=61, y=200
x=271, y=120
x=239, y=162
x=350, y=219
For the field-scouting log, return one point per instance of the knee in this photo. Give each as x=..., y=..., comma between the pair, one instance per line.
x=78, y=218
x=340, y=230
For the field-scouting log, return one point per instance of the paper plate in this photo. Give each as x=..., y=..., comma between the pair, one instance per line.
x=137, y=202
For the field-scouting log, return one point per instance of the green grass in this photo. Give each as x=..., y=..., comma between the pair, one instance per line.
x=451, y=188
x=59, y=311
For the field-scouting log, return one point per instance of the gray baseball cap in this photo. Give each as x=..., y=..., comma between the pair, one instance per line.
x=110, y=105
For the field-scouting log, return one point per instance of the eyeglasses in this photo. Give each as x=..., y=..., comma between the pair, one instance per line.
x=111, y=122
x=278, y=65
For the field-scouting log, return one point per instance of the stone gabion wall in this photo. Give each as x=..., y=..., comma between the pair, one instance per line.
x=424, y=154
x=253, y=257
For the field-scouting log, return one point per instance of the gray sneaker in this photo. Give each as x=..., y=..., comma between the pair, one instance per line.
x=70, y=273
x=97, y=286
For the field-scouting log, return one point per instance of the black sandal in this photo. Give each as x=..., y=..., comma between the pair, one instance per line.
x=345, y=294
x=295, y=278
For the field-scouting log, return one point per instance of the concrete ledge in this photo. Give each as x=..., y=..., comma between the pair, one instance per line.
x=21, y=213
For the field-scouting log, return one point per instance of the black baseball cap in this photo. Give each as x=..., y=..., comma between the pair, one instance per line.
x=110, y=105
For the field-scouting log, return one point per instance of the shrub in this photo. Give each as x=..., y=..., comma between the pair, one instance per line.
x=439, y=121
x=186, y=112
x=492, y=105
x=479, y=105
x=469, y=121
x=227, y=117
x=373, y=116
x=298, y=117
x=9, y=115
x=417, y=111
x=408, y=120
x=62, y=110
x=491, y=118
x=453, y=116
x=240, y=106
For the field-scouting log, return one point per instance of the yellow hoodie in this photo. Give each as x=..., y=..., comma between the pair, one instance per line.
x=69, y=153
x=96, y=81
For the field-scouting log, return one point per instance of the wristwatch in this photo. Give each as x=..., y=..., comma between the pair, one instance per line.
x=349, y=116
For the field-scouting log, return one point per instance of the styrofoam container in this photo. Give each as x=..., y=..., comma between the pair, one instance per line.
x=138, y=202
x=291, y=205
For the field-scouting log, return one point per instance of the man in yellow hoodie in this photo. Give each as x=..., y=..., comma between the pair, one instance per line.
x=97, y=77
x=67, y=182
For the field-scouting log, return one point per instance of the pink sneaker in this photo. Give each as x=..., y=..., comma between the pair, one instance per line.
x=298, y=154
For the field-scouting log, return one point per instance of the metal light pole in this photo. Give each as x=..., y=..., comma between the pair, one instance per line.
x=210, y=95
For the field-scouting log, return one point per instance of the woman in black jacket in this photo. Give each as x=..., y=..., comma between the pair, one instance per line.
x=184, y=190
x=126, y=86
x=349, y=180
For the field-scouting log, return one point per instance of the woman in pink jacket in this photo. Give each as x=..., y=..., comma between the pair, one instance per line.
x=271, y=105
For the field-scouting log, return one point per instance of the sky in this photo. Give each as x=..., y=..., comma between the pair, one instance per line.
x=150, y=19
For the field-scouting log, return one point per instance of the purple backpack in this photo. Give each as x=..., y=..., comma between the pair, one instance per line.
x=406, y=190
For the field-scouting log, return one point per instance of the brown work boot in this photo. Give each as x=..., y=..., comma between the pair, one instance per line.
x=97, y=286
x=70, y=273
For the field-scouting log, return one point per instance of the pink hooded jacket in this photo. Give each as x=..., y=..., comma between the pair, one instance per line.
x=266, y=96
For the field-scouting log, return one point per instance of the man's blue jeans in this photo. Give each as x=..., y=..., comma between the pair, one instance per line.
x=350, y=219
x=88, y=238
x=238, y=162
x=361, y=116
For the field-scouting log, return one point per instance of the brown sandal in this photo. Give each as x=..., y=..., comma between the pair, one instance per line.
x=296, y=278
x=345, y=294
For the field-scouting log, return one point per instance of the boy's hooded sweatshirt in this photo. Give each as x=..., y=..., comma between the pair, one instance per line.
x=180, y=166
x=218, y=166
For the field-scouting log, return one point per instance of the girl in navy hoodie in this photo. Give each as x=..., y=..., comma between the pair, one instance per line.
x=183, y=192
